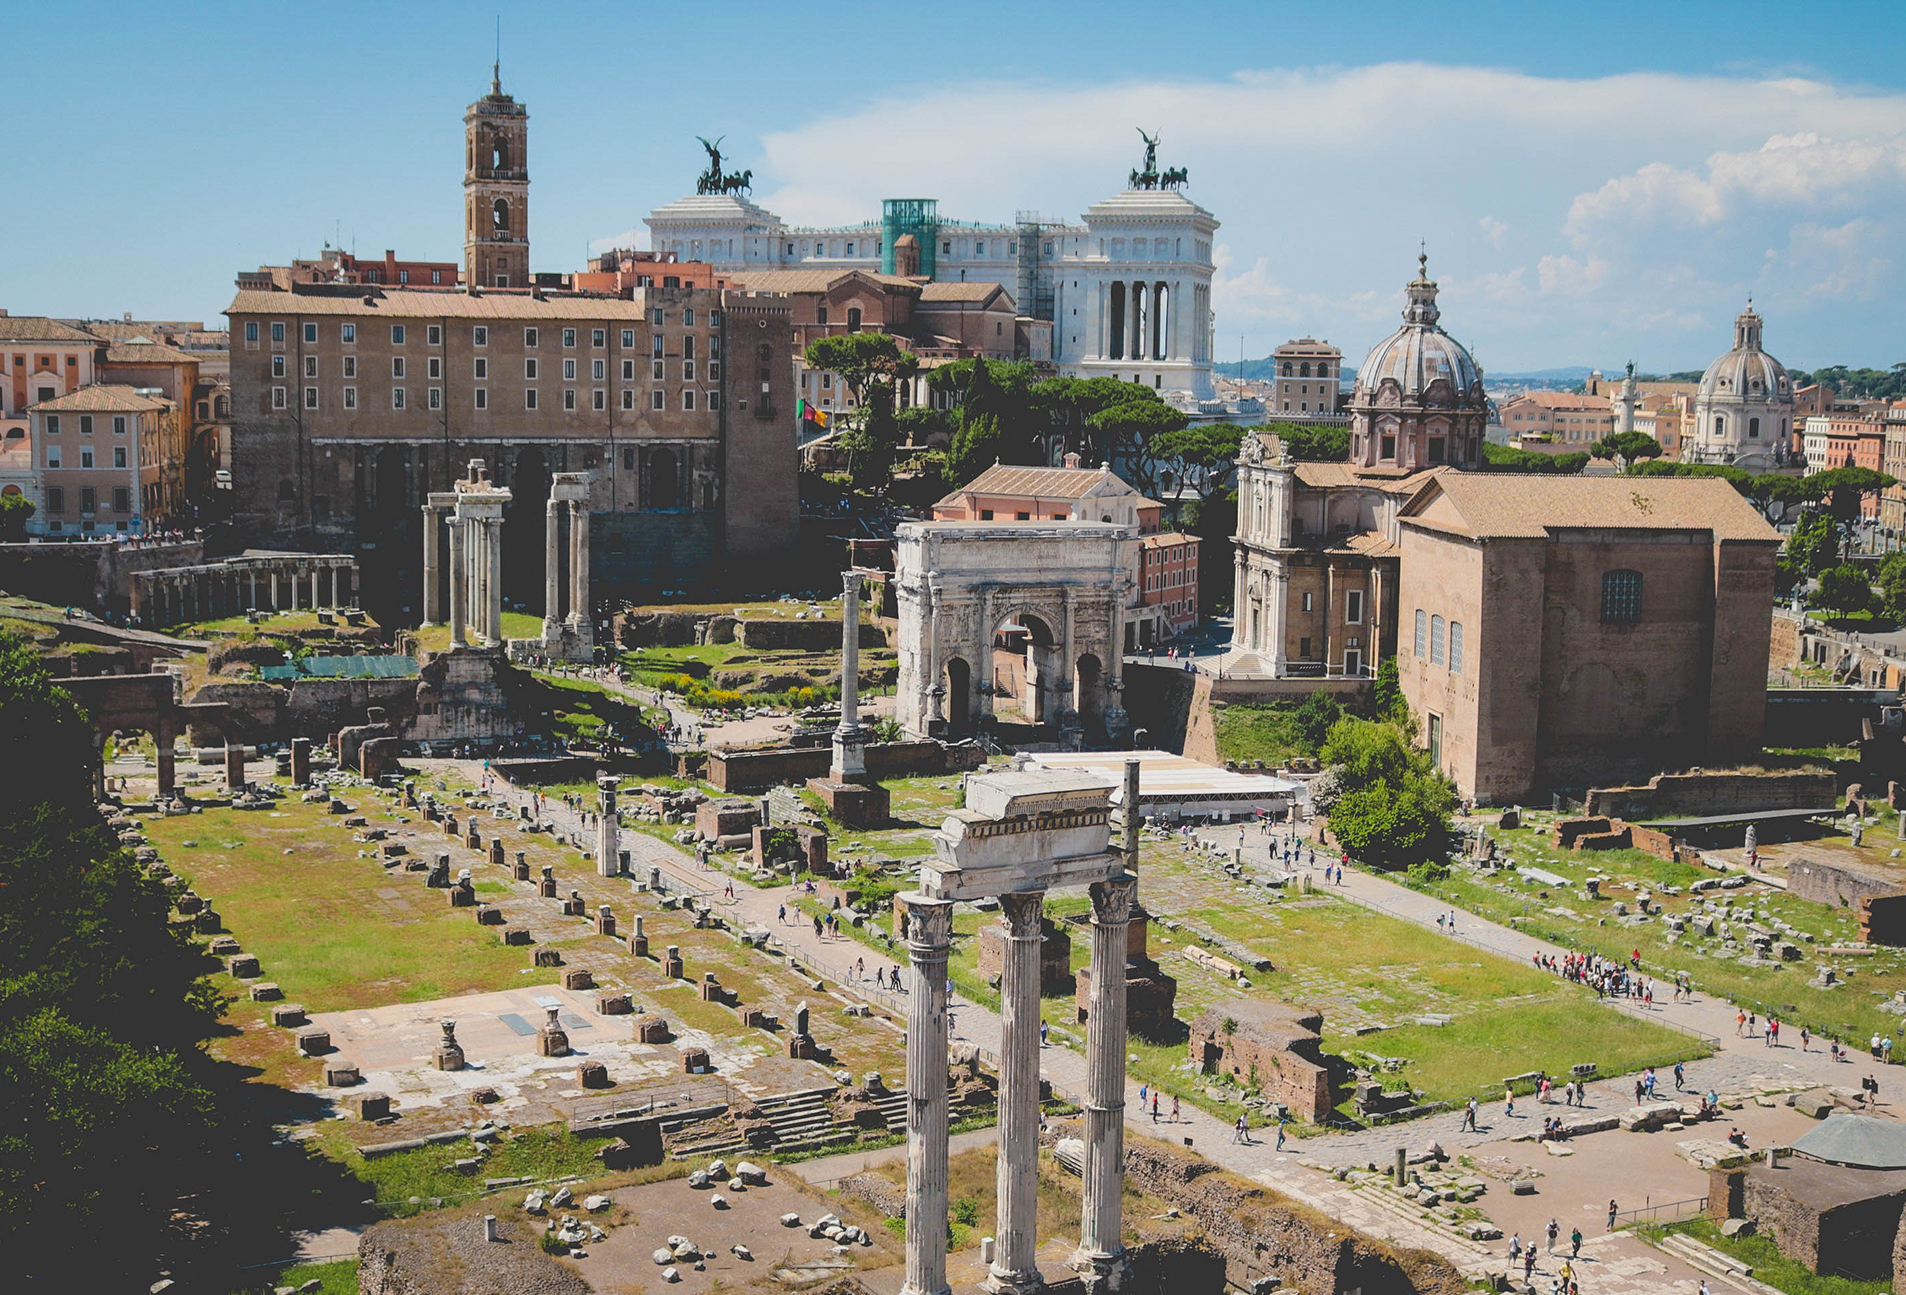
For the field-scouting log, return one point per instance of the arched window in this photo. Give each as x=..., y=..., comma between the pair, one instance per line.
x=1436, y=640
x=1621, y=597
x=500, y=217
x=287, y=493
x=1303, y=370
x=1455, y=647
x=1753, y=428
x=1323, y=368
x=1287, y=368
x=1720, y=425
x=499, y=153
x=853, y=319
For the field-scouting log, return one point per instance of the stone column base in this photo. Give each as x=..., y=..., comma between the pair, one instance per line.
x=853, y=804
x=1100, y=1273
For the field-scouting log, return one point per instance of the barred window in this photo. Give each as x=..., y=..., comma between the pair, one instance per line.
x=1621, y=597
x=1455, y=647
x=1422, y=633
x=1436, y=640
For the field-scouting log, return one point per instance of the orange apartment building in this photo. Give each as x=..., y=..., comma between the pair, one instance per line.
x=1558, y=421
x=1831, y=441
x=108, y=461
x=1162, y=598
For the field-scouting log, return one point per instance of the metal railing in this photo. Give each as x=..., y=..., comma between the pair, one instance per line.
x=1666, y=1212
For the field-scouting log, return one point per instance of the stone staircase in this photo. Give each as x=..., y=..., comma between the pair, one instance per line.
x=1722, y=1267
x=802, y=1120
x=1407, y=1220
x=786, y=808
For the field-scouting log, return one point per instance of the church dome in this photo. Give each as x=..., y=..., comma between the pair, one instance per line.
x=1746, y=373
x=1418, y=355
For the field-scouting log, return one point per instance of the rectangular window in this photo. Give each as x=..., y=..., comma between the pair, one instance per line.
x=397, y=366
x=122, y=498
x=53, y=456
x=396, y=397
x=1307, y=601
x=434, y=334
x=655, y=399
x=55, y=496
x=598, y=338
x=435, y=398
x=714, y=400
x=1455, y=647
x=1435, y=732
x=277, y=366
x=529, y=398
x=482, y=368
x=688, y=313
x=714, y=348
x=278, y=331
x=310, y=397
x=598, y=370
x=310, y=366
x=655, y=316
x=52, y=424
x=529, y=369
x=350, y=397
x=628, y=338
x=569, y=397
x=479, y=336
x=88, y=500
x=1422, y=634
x=396, y=334
x=347, y=333
x=86, y=456
x=628, y=370
x=714, y=320
x=1353, y=607
x=628, y=397
x=433, y=367
x=311, y=334
x=628, y=460
x=714, y=371
x=569, y=337
x=277, y=397
x=482, y=398
x=569, y=370
x=688, y=400
x=688, y=370
x=119, y=424
x=350, y=366
x=655, y=346
x=251, y=332
x=688, y=348
x=655, y=370
x=530, y=337
x=85, y=424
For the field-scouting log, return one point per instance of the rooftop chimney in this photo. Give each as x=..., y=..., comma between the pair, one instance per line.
x=1072, y=460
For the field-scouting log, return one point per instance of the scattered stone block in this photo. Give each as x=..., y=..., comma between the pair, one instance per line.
x=369, y=1106
x=243, y=966
x=592, y=1074
x=517, y=935
x=340, y=1075
x=579, y=978
x=288, y=1014
x=544, y=956
x=614, y=1004
x=695, y=1061
x=651, y=1028
x=314, y=1042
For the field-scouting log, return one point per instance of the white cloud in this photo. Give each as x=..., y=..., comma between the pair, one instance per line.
x=1647, y=202
x=637, y=238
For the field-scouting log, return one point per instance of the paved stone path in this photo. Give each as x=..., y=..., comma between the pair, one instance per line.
x=1619, y=1263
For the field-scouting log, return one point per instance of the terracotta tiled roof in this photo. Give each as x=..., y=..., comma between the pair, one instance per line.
x=1337, y=476
x=147, y=353
x=1044, y=483
x=1508, y=505
x=38, y=328
x=1164, y=539
x=1565, y=400
x=796, y=281
x=102, y=397
x=958, y=291
x=399, y=303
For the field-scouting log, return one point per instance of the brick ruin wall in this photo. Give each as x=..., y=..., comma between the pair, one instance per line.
x=758, y=770
x=1690, y=795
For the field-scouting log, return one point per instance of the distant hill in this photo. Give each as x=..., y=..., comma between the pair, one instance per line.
x=1568, y=373
x=1264, y=370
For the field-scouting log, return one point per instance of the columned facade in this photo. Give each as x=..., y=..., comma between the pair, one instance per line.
x=474, y=538
x=166, y=596
x=571, y=636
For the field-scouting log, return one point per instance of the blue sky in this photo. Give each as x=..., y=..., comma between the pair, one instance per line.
x=1594, y=183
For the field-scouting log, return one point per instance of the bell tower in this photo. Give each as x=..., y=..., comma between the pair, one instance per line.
x=496, y=190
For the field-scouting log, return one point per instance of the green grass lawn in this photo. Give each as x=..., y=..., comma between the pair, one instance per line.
x=516, y=625
x=1849, y=1010
x=315, y=917
x=1769, y=1264
x=577, y=708
x=1246, y=732
x=286, y=622
x=338, y=1277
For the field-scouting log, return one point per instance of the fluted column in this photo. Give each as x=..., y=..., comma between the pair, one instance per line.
x=493, y=600
x=983, y=668
x=433, y=600
x=1100, y=1258
x=459, y=583
x=850, y=757
x=552, y=568
x=929, y=938
x=1015, y=1267
x=579, y=561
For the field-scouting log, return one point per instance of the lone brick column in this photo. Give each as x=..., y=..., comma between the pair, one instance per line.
x=607, y=833
x=1100, y=1258
x=929, y=939
x=1015, y=1260
x=234, y=766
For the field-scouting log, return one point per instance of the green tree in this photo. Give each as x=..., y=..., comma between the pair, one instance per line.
x=1844, y=489
x=1509, y=458
x=1387, y=693
x=1393, y=827
x=1628, y=447
x=871, y=365
x=1130, y=429
x=1814, y=544
x=1844, y=589
x=15, y=512
x=1314, y=717
x=1202, y=459
x=1892, y=586
x=975, y=448
x=1311, y=444
x=1370, y=753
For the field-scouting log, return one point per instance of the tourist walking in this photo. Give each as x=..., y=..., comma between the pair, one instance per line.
x=1555, y=1230
x=1243, y=1131
x=1154, y=1107
x=1574, y=1242
x=1174, y=1108
x=1469, y=1116
x=1611, y=1215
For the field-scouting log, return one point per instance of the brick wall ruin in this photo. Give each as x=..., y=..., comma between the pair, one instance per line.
x=1687, y=795
x=1275, y=1046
